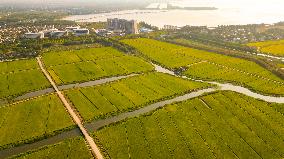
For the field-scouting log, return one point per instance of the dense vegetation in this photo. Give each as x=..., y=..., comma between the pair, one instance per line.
x=74, y=148
x=18, y=77
x=34, y=18
x=90, y=64
x=131, y=93
x=174, y=57
x=220, y=125
x=270, y=47
x=32, y=120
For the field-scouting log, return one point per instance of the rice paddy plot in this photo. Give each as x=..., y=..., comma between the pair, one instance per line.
x=19, y=77
x=92, y=64
x=210, y=66
x=32, y=120
x=271, y=47
x=212, y=72
x=74, y=148
x=220, y=125
x=128, y=94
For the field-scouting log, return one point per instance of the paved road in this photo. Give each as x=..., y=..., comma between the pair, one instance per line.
x=75, y=117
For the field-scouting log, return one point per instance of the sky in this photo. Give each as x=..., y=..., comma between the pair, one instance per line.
x=261, y=4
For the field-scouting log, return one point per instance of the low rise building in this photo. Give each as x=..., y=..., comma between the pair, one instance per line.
x=79, y=32
x=38, y=35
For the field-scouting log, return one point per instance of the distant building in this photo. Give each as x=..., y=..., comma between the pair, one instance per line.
x=38, y=35
x=123, y=26
x=79, y=32
x=171, y=27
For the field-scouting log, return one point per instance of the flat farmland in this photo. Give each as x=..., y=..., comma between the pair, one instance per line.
x=219, y=125
x=19, y=77
x=128, y=94
x=32, y=120
x=206, y=65
x=74, y=148
x=271, y=47
x=90, y=64
x=213, y=72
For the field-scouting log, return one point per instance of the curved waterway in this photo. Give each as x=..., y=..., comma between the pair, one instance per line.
x=229, y=87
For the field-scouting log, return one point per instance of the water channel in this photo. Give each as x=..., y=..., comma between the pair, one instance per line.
x=95, y=125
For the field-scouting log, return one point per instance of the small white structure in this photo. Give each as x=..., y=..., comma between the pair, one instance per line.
x=71, y=29
x=38, y=35
x=79, y=32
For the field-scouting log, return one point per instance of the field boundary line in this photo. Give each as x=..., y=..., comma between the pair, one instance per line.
x=76, y=118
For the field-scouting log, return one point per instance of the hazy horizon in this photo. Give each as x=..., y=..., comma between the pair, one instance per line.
x=263, y=5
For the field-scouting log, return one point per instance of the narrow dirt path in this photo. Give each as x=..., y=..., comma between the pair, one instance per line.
x=76, y=118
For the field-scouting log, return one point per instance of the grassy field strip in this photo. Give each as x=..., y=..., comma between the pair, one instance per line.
x=231, y=128
x=18, y=71
x=96, y=82
x=74, y=148
x=76, y=118
x=129, y=94
x=83, y=61
x=50, y=91
x=17, y=65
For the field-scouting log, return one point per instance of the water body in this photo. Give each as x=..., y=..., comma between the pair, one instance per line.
x=228, y=13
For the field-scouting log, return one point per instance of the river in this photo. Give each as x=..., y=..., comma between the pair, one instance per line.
x=228, y=13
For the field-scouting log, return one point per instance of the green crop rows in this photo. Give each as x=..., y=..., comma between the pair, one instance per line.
x=272, y=47
x=207, y=65
x=214, y=72
x=220, y=125
x=131, y=93
x=91, y=64
x=18, y=77
x=74, y=148
x=32, y=120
